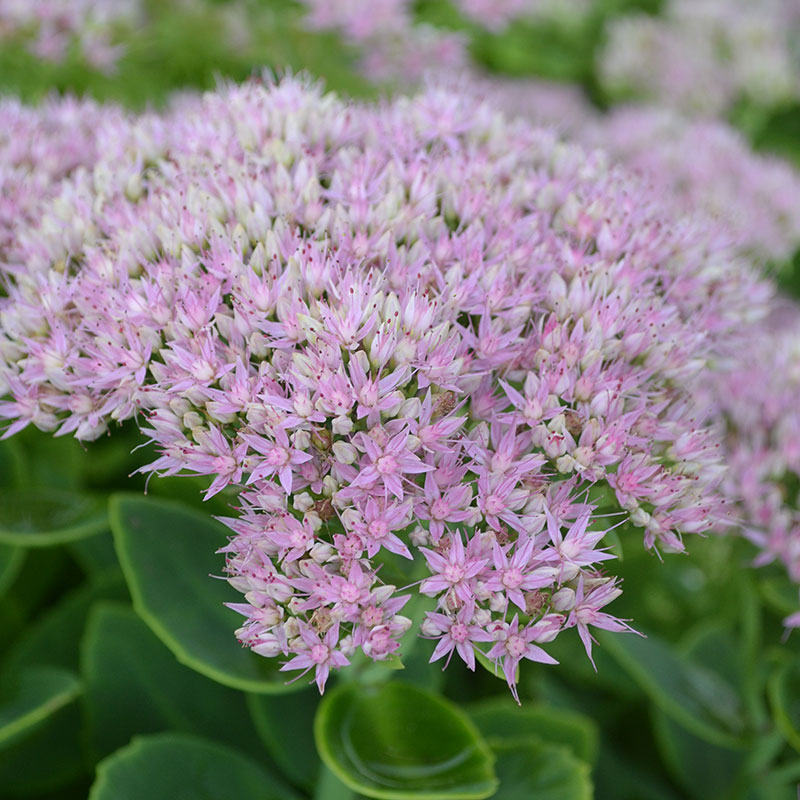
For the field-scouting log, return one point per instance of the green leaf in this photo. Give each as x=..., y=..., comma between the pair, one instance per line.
x=698, y=698
x=95, y=555
x=329, y=787
x=172, y=766
x=28, y=698
x=780, y=594
x=47, y=517
x=47, y=759
x=704, y=770
x=783, y=689
x=150, y=691
x=13, y=470
x=11, y=559
x=398, y=741
x=532, y=770
x=169, y=556
x=54, y=637
x=499, y=718
x=283, y=742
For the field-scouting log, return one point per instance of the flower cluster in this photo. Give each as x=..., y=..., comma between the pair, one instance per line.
x=757, y=392
x=426, y=346
x=39, y=147
x=394, y=49
x=51, y=27
x=702, y=56
x=707, y=166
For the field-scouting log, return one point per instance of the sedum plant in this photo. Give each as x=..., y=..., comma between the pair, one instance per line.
x=432, y=352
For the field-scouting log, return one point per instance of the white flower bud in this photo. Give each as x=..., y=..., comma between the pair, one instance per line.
x=342, y=426
x=418, y=537
x=563, y=599
x=268, y=646
x=344, y=452
x=321, y=552
x=303, y=501
x=401, y=622
x=498, y=602
x=301, y=439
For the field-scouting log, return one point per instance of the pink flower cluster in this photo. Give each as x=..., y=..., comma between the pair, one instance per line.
x=702, y=56
x=394, y=49
x=419, y=341
x=708, y=167
x=704, y=165
x=756, y=391
x=38, y=148
x=51, y=27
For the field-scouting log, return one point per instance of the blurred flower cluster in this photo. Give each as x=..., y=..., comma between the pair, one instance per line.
x=51, y=28
x=704, y=56
x=420, y=333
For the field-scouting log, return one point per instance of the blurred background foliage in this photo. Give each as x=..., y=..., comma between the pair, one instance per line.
x=706, y=707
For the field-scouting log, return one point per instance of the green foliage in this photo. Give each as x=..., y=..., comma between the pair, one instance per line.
x=168, y=553
x=41, y=517
x=398, y=741
x=499, y=718
x=29, y=698
x=701, y=700
x=133, y=684
x=171, y=766
x=529, y=768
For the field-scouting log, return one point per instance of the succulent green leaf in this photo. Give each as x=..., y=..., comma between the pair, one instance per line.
x=398, y=741
x=531, y=769
x=701, y=700
x=173, y=766
x=133, y=684
x=53, y=638
x=28, y=698
x=47, y=517
x=11, y=559
x=284, y=742
x=168, y=554
x=501, y=719
x=784, y=698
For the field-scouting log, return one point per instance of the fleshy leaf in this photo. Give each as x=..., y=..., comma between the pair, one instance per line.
x=284, y=742
x=47, y=517
x=53, y=638
x=533, y=770
x=398, y=741
x=784, y=698
x=703, y=769
x=28, y=698
x=11, y=559
x=501, y=719
x=696, y=697
x=133, y=684
x=169, y=557
x=172, y=766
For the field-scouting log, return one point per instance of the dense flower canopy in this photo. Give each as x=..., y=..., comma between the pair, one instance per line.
x=432, y=350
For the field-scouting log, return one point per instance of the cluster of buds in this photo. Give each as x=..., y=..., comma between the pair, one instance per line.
x=418, y=341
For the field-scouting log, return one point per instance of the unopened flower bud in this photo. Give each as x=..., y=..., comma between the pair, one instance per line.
x=344, y=452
